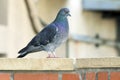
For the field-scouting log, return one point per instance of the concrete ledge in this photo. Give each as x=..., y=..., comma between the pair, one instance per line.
x=36, y=64
x=55, y=64
x=98, y=63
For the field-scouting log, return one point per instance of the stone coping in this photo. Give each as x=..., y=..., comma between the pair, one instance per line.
x=55, y=64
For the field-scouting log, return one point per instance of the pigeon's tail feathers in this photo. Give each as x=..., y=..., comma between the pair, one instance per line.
x=22, y=55
x=23, y=50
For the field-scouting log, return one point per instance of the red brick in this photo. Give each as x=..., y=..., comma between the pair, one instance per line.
x=115, y=76
x=4, y=76
x=35, y=76
x=90, y=75
x=102, y=75
x=70, y=77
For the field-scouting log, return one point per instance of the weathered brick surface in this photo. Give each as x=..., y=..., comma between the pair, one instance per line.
x=70, y=77
x=115, y=76
x=90, y=76
x=102, y=75
x=35, y=76
x=4, y=76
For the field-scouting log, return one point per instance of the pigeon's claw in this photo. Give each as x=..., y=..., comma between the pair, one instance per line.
x=53, y=55
x=49, y=56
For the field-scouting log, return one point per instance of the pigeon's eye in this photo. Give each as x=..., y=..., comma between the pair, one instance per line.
x=66, y=12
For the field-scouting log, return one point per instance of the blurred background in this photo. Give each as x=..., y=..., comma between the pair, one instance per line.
x=94, y=27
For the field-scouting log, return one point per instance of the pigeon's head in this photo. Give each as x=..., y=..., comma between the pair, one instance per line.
x=64, y=12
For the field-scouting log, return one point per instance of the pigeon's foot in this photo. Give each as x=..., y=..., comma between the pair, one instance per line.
x=53, y=56
x=49, y=56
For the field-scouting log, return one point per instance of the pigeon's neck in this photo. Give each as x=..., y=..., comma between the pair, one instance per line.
x=62, y=23
x=60, y=18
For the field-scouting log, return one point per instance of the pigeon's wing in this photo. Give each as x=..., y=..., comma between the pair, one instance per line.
x=45, y=36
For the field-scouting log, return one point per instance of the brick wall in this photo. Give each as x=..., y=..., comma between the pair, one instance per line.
x=88, y=75
x=60, y=69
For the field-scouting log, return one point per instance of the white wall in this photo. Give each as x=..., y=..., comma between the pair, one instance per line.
x=19, y=27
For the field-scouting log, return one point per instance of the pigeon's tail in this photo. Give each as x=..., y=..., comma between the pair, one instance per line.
x=23, y=52
x=22, y=55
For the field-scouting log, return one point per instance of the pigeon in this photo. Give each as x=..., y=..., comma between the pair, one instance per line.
x=51, y=37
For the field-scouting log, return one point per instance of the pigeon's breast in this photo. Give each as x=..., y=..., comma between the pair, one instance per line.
x=60, y=37
x=62, y=32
